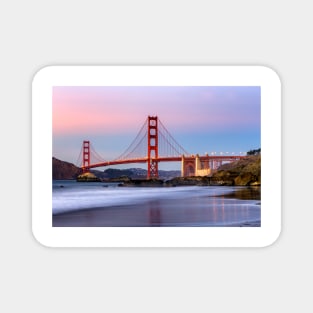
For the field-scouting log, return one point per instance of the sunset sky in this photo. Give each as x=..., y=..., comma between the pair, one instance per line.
x=201, y=119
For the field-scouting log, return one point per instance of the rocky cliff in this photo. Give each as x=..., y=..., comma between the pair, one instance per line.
x=64, y=170
x=245, y=172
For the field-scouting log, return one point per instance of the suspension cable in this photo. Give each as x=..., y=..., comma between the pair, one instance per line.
x=79, y=159
x=95, y=154
x=171, y=141
x=139, y=134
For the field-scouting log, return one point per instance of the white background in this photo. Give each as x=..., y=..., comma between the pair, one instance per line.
x=38, y=279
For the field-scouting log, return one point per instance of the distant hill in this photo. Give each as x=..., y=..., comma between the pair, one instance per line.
x=66, y=170
x=136, y=173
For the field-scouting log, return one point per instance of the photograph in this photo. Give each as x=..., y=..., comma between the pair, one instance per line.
x=156, y=156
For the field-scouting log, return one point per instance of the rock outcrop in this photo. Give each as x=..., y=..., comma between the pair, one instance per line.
x=129, y=182
x=245, y=172
x=188, y=181
x=64, y=170
x=88, y=177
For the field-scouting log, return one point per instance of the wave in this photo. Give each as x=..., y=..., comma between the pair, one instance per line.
x=72, y=199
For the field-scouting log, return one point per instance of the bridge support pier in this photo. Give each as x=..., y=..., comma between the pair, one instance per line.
x=182, y=166
x=187, y=166
x=195, y=166
x=202, y=166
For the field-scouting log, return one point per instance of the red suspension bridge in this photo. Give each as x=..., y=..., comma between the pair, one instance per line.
x=152, y=145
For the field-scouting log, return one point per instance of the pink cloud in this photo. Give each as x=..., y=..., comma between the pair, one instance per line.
x=120, y=109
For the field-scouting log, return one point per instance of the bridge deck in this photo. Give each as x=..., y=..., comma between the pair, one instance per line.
x=168, y=159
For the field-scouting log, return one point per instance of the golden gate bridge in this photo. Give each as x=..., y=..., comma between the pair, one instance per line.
x=152, y=145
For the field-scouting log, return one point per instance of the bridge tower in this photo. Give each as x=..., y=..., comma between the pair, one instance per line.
x=153, y=152
x=86, y=156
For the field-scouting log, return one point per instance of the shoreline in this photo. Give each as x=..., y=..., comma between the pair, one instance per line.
x=159, y=213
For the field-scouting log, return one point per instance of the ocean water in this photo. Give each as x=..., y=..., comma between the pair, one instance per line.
x=103, y=204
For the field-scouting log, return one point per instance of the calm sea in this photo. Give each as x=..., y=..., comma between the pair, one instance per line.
x=100, y=204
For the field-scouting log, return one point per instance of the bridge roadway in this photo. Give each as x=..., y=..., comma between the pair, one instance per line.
x=204, y=158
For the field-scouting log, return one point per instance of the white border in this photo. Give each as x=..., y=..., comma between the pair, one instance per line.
x=156, y=76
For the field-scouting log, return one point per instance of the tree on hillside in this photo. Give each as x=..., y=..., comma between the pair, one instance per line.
x=254, y=152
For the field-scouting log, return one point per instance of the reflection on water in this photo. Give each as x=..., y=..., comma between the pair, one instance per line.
x=250, y=193
x=154, y=213
x=153, y=207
